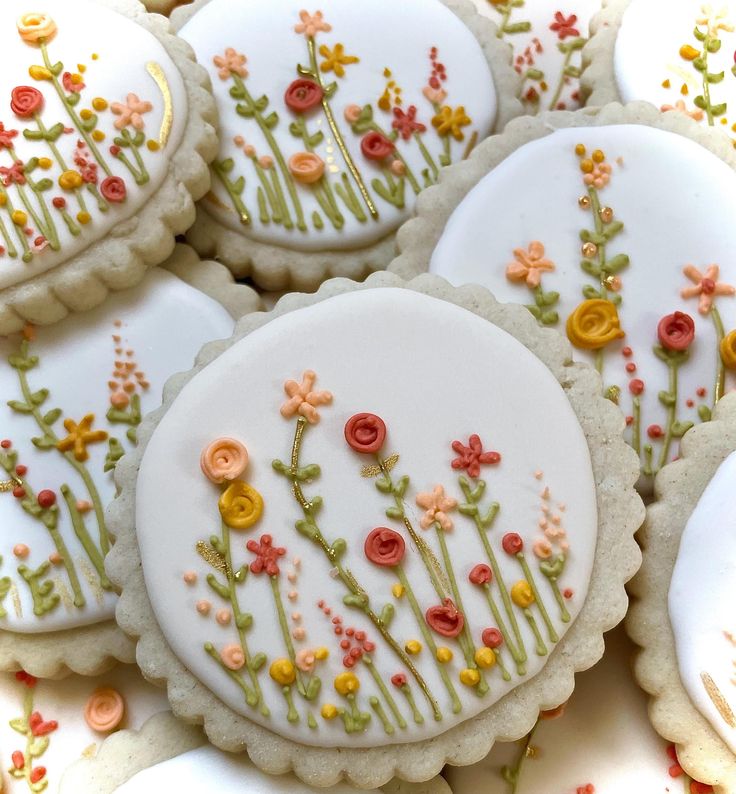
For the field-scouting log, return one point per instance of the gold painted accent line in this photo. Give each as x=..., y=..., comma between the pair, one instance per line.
x=66, y=599
x=6, y=486
x=93, y=581
x=157, y=73
x=718, y=700
x=212, y=557
x=15, y=598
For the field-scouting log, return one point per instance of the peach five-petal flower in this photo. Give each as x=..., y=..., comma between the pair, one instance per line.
x=529, y=265
x=131, y=112
x=231, y=62
x=707, y=286
x=303, y=400
x=311, y=24
x=436, y=506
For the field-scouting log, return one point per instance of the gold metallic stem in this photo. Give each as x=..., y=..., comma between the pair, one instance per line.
x=167, y=122
x=718, y=700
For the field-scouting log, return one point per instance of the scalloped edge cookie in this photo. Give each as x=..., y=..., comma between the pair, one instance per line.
x=678, y=488
x=617, y=559
x=120, y=259
x=93, y=649
x=278, y=268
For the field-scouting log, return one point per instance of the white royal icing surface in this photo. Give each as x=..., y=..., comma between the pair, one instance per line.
x=420, y=364
x=124, y=50
x=548, y=58
x=647, y=55
x=701, y=599
x=383, y=36
x=164, y=322
x=659, y=239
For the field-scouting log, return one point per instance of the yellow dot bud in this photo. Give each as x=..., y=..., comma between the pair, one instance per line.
x=688, y=53
x=76, y=79
x=84, y=218
x=522, y=595
x=413, y=647
x=580, y=150
x=347, y=683
x=45, y=163
x=98, y=135
x=282, y=671
x=397, y=590
x=321, y=653
x=85, y=114
x=153, y=146
x=82, y=68
x=99, y=104
x=329, y=711
x=19, y=218
x=39, y=73
x=444, y=655
x=469, y=677
x=598, y=156
x=70, y=180
x=586, y=166
x=485, y=658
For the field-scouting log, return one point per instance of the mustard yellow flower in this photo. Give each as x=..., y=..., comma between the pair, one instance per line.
x=335, y=60
x=240, y=505
x=450, y=122
x=283, y=672
x=347, y=683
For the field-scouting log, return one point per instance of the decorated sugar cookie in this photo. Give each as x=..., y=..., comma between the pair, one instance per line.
x=548, y=38
x=168, y=753
x=358, y=575
x=72, y=400
x=104, y=137
x=638, y=290
x=681, y=60
x=682, y=617
x=332, y=121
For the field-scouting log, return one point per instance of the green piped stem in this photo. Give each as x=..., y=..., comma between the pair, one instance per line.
x=564, y=614
x=80, y=530
x=595, y=205
x=512, y=774
x=518, y=654
x=42, y=593
x=368, y=662
x=673, y=365
x=70, y=110
x=381, y=714
x=284, y=624
x=406, y=691
x=46, y=226
x=250, y=697
x=236, y=199
x=530, y=619
x=292, y=715
x=529, y=576
x=720, y=386
x=9, y=246
x=239, y=618
x=275, y=150
x=428, y=638
x=428, y=159
x=10, y=207
x=636, y=426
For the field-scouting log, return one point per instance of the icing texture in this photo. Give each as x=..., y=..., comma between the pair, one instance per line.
x=353, y=613
x=700, y=598
x=72, y=400
x=645, y=300
x=86, y=133
x=333, y=121
x=547, y=38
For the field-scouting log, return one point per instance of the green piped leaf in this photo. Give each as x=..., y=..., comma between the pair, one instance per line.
x=114, y=453
x=338, y=548
x=572, y=71
x=23, y=363
x=401, y=486
x=719, y=110
x=218, y=587
x=20, y=407
x=258, y=661
x=355, y=600
x=680, y=428
x=261, y=103
x=387, y=614
x=313, y=688
x=89, y=124
x=469, y=510
x=617, y=264
x=44, y=442
x=39, y=397
x=517, y=27
x=714, y=45
x=307, y=528
x=550, y=318
x=38, y=746
x=667, y=398
x=699, y=35
x=394, y=513
x=271, y=120
x=383, y=484
x=704, y=413
x=553, y=569
x=244, y=621
x=713, y=78
x=19, y=725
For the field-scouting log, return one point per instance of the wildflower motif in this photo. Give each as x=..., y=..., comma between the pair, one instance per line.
x=335, y=60
x=436, y=506
x=365, y=433
x=15, y=175
x=696, y=114
x=676, y=332
x=26, y=101
x=79, y=436
x=564, y=26
x=224, y=459
x=472, y=457
x=232, y=62
x=385, y=547
x=450, y=122
x=406, y=124
x=73, y=83
x=6, y=137
x=715, y=21
x=594, y=325
x=307, y=167
x=303, y=95
x=706, y=286
x=131, y=112
x=267, y=555
x=529, y=265
x=240, y=505
x=303, y=400
x=312, y=24
x=34, y=28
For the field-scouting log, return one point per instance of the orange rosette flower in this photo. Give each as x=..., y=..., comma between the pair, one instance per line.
x=223, y=459
x=594, y=324
x=306, y=167
x=34, y=27
x=728, y=350
x=240, y=505
x=105, y=710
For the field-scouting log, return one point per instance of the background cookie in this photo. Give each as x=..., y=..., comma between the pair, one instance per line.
x=606, y=256
x=332, y=121
x=72, y=398
x=103, y=148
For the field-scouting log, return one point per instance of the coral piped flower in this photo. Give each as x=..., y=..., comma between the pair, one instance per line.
x=435, y=95
x=6, y=137
x=406, y=124
x=564, y=26
x=450, y=122
x=472, y=457
x=131, y=113
x=312, y=24
x=73, y=82
x=695, y=114
x=529, y=265
x=80, y=435
x=15, y=175
x=706, y=286
x=232, y=62
x=267, y=555
x=599, y=177
x=436, y=506
x=303, y=399
x=335, y=60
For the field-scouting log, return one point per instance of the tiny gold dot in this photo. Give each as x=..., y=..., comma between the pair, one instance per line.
x=584, y=202
x=606, y=214
x=590, y=250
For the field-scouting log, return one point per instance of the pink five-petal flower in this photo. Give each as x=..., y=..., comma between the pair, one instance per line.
x=472, y=457
x=131, y=112
x=231, y=61
x=311, y=24
x=706, y=286
x=436, y=506
x=303, y=400
x=564, y=26
x=529, y=265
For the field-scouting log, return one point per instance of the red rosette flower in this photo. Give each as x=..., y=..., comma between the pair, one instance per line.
x=492, y=638
x=303, y=95
x=446, y=620
x=376, y=146
x=398, y=680
x=113, y=189
x=26, y=101
x=676, y=332
x=385, y=547
x=365, y=433
x=481, y=574
x=512, y=543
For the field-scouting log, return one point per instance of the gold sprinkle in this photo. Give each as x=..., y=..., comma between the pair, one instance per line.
x=81, y=68
x=590, y=250
x=720, y=702
x=532, y=751
x=93, y=581
x=90, y=752
x=666, y=83
x=157, y=73
x=66, y=599
x=7, y=485
x=606, y=214
x=15, y=598
x=584, y=202
x=95, y=56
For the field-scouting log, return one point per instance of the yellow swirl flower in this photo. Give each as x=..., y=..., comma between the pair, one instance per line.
x=522, y=594
x=283, y=672
x=594, y=324
x=33, y=27
x=347, y=683
x=728, y=351
x=70, y=180
x=240, y=505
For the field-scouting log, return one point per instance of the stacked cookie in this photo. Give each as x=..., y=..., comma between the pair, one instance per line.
x=372, y=532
